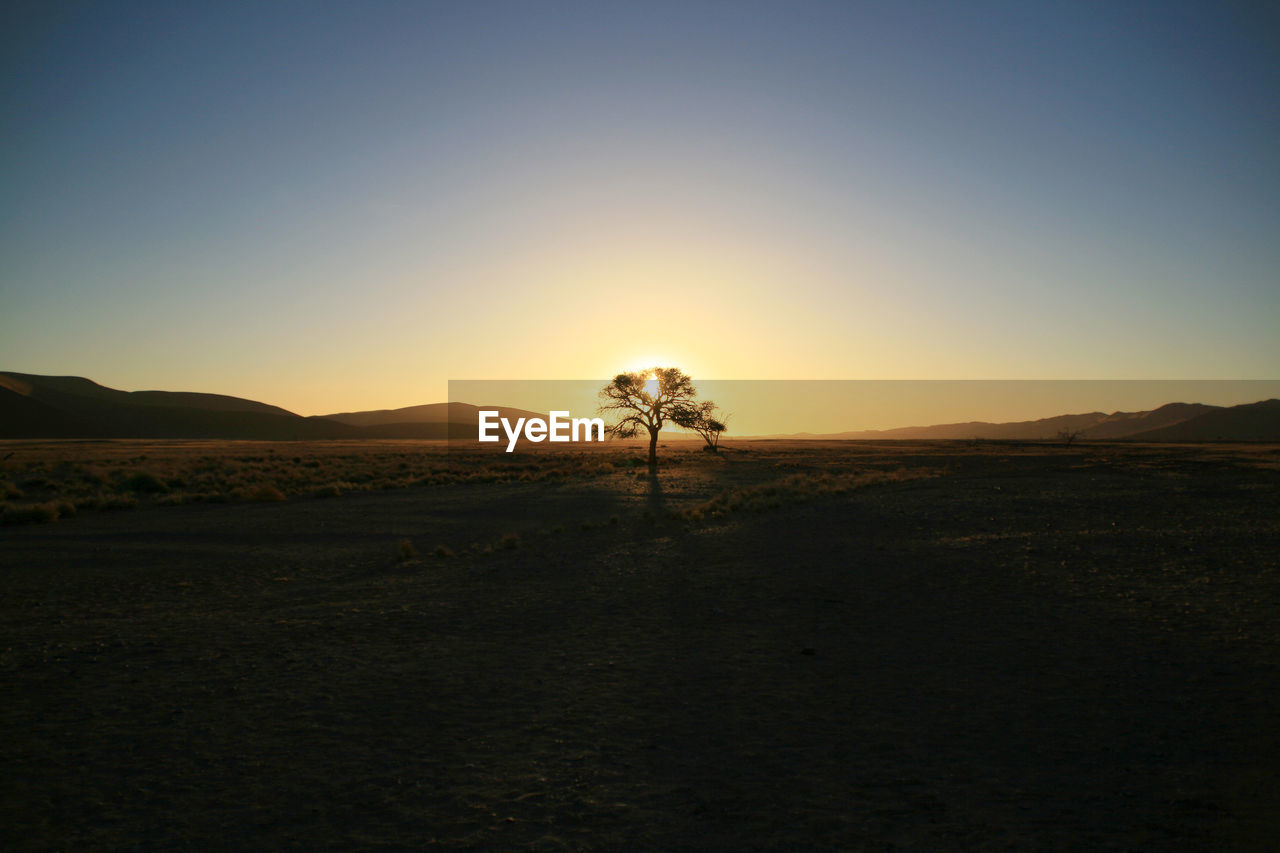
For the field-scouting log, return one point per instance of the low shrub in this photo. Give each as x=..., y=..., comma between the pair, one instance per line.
x=92, y=476
x=263, y=492
x=43, y=513
x=143, y=483
x=110, y=502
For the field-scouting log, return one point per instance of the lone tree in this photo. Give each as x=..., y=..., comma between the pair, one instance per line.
x=646, y=400
x=706, y=420
x=1067, y=436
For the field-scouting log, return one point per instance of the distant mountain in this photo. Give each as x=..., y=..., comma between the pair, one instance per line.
x=433, y=420
x=25, y=417
x=431, y=413
x=1251, y=422
x=74, y=392
x=1171, y=422
x=1128, y=424
x=33, y=406
x=1044, y=428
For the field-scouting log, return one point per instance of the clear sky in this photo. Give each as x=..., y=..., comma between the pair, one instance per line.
x=333, y=207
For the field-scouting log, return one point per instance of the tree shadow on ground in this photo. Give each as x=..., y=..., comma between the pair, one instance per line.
x=654, y=501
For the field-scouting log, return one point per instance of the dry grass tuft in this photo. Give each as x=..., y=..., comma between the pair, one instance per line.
x=144, y=482
x=263, y=492
x=42, y=513
x=792, y=489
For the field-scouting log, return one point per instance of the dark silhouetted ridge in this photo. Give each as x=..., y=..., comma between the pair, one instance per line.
x=1251, y=422
x=34, y=406
x=434, y=420
x=1171, y=422
x=1128, y=424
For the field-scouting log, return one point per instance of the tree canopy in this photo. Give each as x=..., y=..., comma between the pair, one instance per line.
x=644, y=401
x=706, y=419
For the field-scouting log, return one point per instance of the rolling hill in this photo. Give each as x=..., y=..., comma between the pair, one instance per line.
x=431, y=413
x=1251, y=422
x=1044, y=428
x=1129, y=424
x=34, y=406
x=1171, y=422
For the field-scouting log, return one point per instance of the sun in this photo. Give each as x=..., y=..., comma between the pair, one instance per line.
x=647, y=358
x=645, y=362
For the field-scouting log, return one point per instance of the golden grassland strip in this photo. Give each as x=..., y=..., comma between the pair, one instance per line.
x=48, y=483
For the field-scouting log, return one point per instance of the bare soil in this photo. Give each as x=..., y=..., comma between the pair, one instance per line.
x=996, y=647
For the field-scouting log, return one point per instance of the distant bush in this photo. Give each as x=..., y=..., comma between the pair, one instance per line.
x=442, y=552
x=405, y=551
x=92, y=476
x=263, y=492
x=106, y=501
x=510, y=541
x=28, y=513
x=144, y=482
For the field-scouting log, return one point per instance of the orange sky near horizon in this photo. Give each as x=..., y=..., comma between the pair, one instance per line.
x=763, y=407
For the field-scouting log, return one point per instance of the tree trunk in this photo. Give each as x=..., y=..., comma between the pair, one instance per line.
x=653, y=449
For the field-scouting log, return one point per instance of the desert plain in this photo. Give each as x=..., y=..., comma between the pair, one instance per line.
x=784, y=646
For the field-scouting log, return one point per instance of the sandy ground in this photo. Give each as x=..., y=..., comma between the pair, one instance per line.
x=1037, y=649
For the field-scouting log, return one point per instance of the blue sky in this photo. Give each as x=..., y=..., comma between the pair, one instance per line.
x=342, y=206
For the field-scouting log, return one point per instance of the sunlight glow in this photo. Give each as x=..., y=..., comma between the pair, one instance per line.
x=646, y=362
